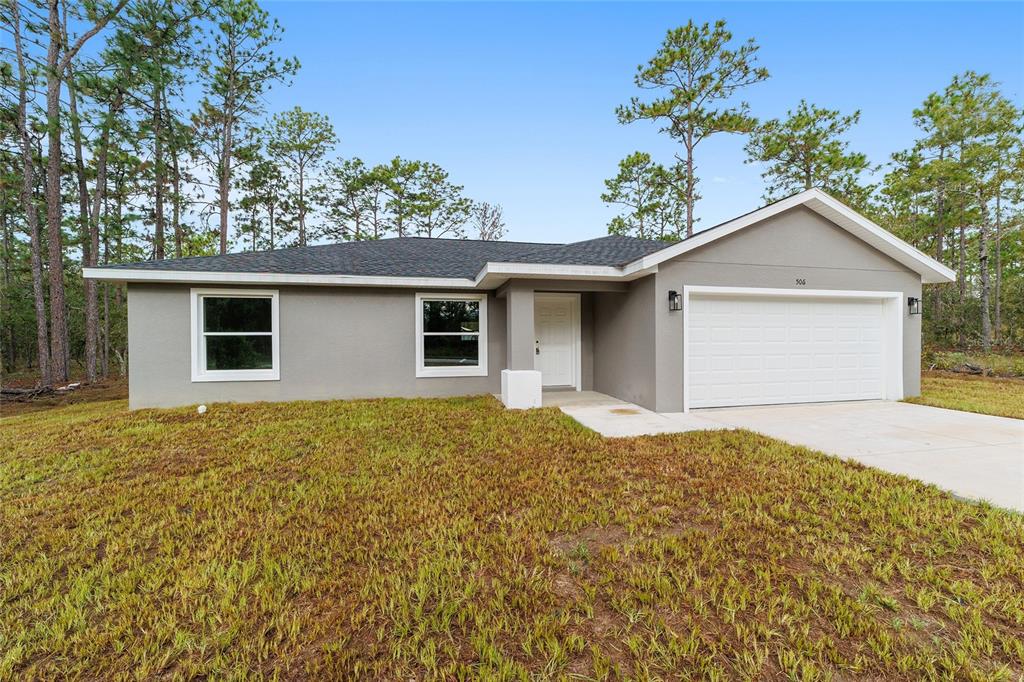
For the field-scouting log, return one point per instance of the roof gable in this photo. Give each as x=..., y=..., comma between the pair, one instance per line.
x=798, y=237
x=931, y=270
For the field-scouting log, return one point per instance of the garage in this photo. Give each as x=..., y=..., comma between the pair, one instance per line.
x=775, y=346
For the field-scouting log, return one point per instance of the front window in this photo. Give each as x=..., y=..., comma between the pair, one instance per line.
x=451, y=335
x=235, y=336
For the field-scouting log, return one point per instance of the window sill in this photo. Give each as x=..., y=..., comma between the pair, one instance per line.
x=238, y=375
x=428, y=372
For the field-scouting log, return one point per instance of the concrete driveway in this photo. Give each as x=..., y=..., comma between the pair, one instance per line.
x=972, y=455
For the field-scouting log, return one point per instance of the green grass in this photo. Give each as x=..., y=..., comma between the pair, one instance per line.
x=452, y=539
x=986, y=395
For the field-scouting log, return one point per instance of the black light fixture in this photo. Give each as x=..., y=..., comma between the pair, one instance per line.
x=675, y=300
x=914, y=304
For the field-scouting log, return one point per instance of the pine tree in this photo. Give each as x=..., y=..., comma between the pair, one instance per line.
x=243, y=67
x=698, y=75
x=807, y=149
x=651, y=196
x=300, y=140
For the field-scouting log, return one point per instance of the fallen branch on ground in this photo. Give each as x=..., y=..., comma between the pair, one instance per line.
x=969, y=368
x=26, y=394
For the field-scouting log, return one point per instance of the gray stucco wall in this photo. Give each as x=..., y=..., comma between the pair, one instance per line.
x=335, y=343
x=587, y=341
x=624, y=361
x=519, y=316
x=796, y=244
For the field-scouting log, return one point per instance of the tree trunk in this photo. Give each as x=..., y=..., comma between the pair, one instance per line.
x=400, y=218
x=28, y=203
x=253, y=224
x=105, y=361
x=88, y=245
x=12, y=340
x=158, y=162
x=55, y=65
x=999, y=269
x=105, y=357
x=986, y=320
x=224, y=185
x=91, y=258
x=58, y=308
x=228, y=141
x=302, y=206
x=962, y=280
x=271, y=213
x=176, y=202
x=940, y=235
x=689, y=184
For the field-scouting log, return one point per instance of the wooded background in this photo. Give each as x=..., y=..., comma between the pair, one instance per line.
x=105, y=159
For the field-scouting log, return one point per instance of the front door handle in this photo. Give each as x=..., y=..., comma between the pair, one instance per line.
x=536, y=347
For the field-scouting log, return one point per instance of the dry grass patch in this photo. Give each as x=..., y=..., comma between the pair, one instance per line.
x=986, y=395
x=1005, y=364
x=452, y=539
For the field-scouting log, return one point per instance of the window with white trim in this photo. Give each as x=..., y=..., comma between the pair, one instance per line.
x=451, y=335
x=235, y=335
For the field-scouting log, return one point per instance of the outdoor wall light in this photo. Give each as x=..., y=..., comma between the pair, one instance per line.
x=914, y=304
x=675, y=300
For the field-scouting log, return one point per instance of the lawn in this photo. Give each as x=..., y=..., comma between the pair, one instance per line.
x=987, y=395
x=414, y=539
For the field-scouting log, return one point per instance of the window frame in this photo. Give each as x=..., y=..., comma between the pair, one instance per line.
x=198, y=337
x=478, y=370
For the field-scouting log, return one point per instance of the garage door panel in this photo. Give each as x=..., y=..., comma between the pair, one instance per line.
x=799, y=334
x=764, y=350
x=849, y=387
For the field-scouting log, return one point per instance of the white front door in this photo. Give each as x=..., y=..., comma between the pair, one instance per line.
x=555, y=325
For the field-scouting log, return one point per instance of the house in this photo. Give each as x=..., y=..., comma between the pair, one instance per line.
x=803, y=300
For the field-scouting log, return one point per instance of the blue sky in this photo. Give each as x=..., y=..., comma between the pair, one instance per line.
x=517, y=100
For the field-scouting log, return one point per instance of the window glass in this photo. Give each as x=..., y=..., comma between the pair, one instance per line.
x=239, y=352
x=451, y=316
x=453, y=338
x=451, y=351
x=249, y=314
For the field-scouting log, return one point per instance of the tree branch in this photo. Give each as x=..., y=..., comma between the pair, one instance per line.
x=82, y=39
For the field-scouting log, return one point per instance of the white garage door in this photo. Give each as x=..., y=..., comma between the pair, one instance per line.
x=761, y=350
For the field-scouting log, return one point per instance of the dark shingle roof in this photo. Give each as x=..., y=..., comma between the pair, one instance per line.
x=410, y=257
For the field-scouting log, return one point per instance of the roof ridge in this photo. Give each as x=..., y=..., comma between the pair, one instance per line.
x=645, y=240
x=461, y=239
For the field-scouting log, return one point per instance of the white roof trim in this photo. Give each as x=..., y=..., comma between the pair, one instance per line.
x=147, y=275
x=490, y=276
x=495, y=271
x=931, y=270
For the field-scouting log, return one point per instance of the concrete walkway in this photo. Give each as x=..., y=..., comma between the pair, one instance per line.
x=972, y=455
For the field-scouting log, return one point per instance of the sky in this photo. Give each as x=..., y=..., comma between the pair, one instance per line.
x=517, y=100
